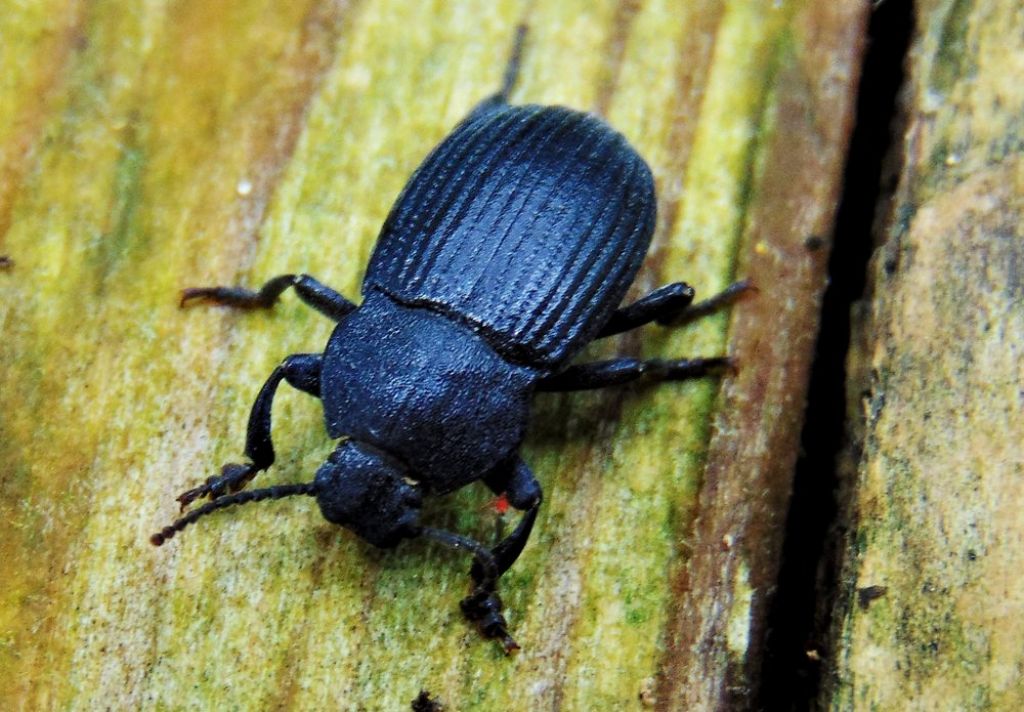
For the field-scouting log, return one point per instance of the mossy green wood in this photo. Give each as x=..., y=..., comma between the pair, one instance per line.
x=935, y=388
x=149, y=147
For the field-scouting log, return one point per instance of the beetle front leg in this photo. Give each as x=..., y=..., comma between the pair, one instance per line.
x=483, y=606
x=671, y=305
x=515, y=481
x=319, y=296
x=301, y=371
x=601, y=374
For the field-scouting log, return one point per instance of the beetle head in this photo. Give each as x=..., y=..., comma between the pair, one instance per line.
x=364, y=490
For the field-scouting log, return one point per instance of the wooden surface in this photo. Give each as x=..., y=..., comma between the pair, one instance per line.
x=932, y=605
x=150, y=147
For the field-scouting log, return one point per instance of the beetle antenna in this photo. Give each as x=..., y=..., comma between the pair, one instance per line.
x=512, y=68
x=480, y=552
x=257, y=495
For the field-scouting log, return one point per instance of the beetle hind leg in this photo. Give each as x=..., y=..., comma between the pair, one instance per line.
x=499, y=99
x=515, y=59
x=301, y=371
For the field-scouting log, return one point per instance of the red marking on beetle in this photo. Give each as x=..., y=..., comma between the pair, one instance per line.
x=501, y=504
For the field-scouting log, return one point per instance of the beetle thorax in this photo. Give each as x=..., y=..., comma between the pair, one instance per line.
x=425, y=389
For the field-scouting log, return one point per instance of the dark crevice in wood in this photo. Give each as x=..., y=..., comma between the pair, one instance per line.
x=798, y=620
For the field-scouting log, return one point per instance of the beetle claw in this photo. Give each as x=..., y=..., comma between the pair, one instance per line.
x=509, y=644
x=214, y=295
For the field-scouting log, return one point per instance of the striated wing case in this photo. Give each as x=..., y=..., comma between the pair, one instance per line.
x=528, y=223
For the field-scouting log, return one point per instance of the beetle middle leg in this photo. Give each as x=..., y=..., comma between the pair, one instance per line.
x=671, y=305
x=301, y=371
x=319, y=296
x=600, y=374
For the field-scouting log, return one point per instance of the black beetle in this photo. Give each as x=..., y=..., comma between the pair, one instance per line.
x=508, y=251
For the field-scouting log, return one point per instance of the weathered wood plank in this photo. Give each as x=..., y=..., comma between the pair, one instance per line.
x=933, y=596
x=164, y=145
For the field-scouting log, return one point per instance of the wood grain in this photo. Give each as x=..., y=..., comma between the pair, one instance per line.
x=931, y=602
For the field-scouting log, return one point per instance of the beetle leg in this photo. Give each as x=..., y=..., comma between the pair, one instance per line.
x=670, y=299
x=319, y=296
x=671, y=305
x=302, y=371
x=600, y=374
x=512, y=68
x=509, y=548
x=517, y=482
x=524, y=493
x=499, y=100
x=483, y=606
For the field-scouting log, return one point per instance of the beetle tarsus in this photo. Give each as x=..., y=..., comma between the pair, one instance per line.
x=509, y=644
x=616, y=372
x=233, y=478
x=687, y=368
x=512, y=68
x=483, y=607
x=730, y=295
x=239, y=297
x=672, y=305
